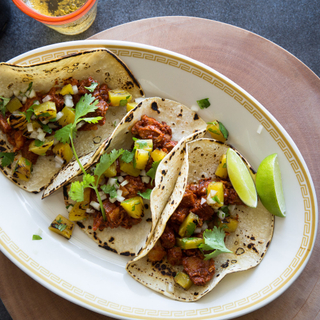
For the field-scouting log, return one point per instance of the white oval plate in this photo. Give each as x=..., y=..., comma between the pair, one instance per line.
x=94, y=278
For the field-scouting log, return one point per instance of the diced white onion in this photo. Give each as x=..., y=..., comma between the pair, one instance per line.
x=221, y=215
x=36, y=102
x=24, y=99
x=103, y=196
x=34, y=135
x=122, y=173
x=80, y=124
x=58, y=165
x=122, y=184
x=39, y=130
x=231, y=207
x=204, y=226
x=39, y=233
x=145, y=179
x=41, y=136
x=69, y=208
x=16, y=92
x=112, y=181
x=119, y=192
x=210, y=196
x=120, y=198
x=95, y=205
x=197, y=230
x=58, y=160
x=203, y=200
x=89, y=210
x=46, y=98
x=68, y=100
x=143, y=173
x=75, y=89
x=31, y=94
x=59, y=115
x=112, y=200
x=194, y=108
x=120, y=179
x=30, y=127
x=45, y=121
x=170, y=287
x=52, y=125
x=260, y=128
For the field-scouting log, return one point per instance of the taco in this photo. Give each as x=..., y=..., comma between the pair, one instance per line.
x=136, y=186
x=36, y=100
x=205, y=231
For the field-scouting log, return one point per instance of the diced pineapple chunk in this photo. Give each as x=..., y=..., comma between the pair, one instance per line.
x=129, y=169
x=67, y=89
x=78, y=211
x=13, y=105
x=23, y=169
x=119, y=97
x=64, y=151
x=46, y=110
x=217, y=131
x=215, y=193
x=62, y=226
x=40, y=147
x=188, y=225
x=158, y=155
x=183, y=280
x=133, y=206
x=141, y=158
x=221, y=170
x=17, y=121
x=131, y=105
x=111, y=171
x=68, y=116
x=144, y=144
x=229, y=224
x=189, y=243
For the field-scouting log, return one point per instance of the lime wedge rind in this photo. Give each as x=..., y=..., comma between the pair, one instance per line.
x=269, y=186
x=241, y=179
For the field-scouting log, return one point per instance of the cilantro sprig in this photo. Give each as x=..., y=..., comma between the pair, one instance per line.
x=86, y=104
x=146, y=194
x=6, y=158
x=3, y=102
x=152, y=172
x=214, y=240
x=203, y=103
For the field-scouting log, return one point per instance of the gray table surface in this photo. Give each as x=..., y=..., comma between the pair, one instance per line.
x=293, y=25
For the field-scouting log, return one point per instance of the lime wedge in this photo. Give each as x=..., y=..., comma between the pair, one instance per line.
x=269, y=186
x=241, y=179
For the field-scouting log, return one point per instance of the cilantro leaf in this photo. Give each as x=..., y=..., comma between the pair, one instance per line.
x=36, y=237
x=106, y=161
x=216, y=199
x=38, y=143
x=28, y=91
x=63, y=134
x=87, y=180
x=3, y=102
x=86, y=104
x=214, y=240
x=152, y=172
x=92, y=87
x=61, y=227
x=223, y=130
x=76, y=191
x=45, y=128
x=29, y=113
x=109, y=189
x=203, y=103
x=146, y=194
x=7, y=158
x=92, y=120
x=127, y=156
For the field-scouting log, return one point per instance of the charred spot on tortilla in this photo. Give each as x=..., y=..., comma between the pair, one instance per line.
x=146, y=206
x=239, y=251
x=96, y=139
x=225, y=265
x=149, y=220
x=111, y=239
x=80, y=224
x=196, y=117
x=180, y=115
x=129, y=117
x=105, y=246
x=154, y=107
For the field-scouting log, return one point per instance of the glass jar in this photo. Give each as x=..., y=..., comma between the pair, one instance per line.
x=73, y=23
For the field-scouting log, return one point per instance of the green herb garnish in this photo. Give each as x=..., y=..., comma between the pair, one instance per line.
x=223, y=130
x=214, y=240
x=127, y=156
x=146, y=194
x=3, y=102
x=92, y=87
x=203, y=103
x=152, y=172
x=38, y=143
x=36, y=237
x=6, y=158
x=109, y=189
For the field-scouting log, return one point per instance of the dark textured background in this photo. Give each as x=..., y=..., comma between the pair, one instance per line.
x=293, y=25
